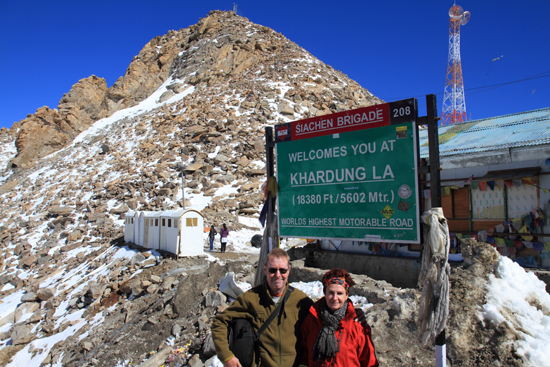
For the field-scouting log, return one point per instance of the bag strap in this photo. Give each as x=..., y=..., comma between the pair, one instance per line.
x=273, y=314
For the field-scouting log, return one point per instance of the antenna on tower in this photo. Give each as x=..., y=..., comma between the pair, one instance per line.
x=454, y=104
x=234, y=8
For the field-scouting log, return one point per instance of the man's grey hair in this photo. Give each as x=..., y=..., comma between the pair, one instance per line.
x=278, y=253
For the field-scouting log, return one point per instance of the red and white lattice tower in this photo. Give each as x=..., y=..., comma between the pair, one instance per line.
x=454, y=104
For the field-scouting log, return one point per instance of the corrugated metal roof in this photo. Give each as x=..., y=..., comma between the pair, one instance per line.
x=508, y=131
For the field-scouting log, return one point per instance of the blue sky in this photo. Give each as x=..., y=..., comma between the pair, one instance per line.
x=395, y=49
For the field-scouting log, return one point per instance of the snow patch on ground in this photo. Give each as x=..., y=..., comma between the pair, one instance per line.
x=518, y=299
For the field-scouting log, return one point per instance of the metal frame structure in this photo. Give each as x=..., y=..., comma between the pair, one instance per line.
x=454, y=103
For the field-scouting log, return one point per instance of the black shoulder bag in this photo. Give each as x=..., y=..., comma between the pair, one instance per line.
x=242, y=339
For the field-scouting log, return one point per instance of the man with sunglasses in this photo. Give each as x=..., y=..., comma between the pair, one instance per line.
x=279, y=344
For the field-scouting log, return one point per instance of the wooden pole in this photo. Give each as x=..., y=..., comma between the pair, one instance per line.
x=268, y=241
x=435, y=195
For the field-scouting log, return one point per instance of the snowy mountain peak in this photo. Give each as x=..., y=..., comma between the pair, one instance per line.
x=242, y=72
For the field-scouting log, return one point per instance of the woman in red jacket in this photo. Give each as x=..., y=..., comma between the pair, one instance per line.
x=330, y=334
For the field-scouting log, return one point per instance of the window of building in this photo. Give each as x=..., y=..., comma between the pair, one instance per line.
x=191, y=222
x=457, y=204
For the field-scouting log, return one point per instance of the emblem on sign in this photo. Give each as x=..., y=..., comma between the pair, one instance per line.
x=387, y=212
x=401, y=132
x=404, y=192
x=282, y=132
x=403, y=206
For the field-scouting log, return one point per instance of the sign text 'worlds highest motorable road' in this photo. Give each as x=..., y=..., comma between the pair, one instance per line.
x=350, y=175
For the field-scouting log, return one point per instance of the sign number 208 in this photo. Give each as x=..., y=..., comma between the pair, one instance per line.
x=401, y=111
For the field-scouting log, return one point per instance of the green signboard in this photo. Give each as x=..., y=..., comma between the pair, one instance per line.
x=358, y=185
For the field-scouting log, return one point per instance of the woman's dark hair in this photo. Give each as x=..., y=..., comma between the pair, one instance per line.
x=336, y=273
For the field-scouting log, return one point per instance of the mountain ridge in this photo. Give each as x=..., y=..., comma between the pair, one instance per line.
x=192, y=56
x=72, y=173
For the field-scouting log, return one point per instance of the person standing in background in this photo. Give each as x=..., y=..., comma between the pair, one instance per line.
x=224, y=232
x=211, y=235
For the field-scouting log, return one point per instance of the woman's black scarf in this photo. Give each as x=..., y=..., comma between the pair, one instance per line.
x=326, y=346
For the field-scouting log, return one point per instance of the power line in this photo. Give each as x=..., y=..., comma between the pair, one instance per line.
x=484, y=89
x=495, y=86
x=512, y=95
x=421, y=105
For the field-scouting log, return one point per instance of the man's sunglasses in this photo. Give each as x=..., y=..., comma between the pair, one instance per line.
x=274, y=270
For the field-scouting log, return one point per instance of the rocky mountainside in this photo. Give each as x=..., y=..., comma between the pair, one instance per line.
x=238, y=67
x=206, y=94
x=199, y=98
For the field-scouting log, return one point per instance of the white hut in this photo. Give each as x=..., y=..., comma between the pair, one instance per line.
x=151, y=230
x=191, y=238
x=181, y=232
x=144, y=224
x=177, y=231
x=136, y=228
x=129, y=226
x=169, y=228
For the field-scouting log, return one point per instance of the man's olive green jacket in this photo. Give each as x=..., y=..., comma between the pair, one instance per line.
x=280, y=342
